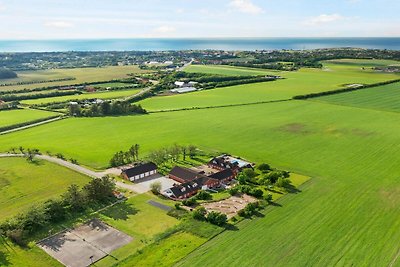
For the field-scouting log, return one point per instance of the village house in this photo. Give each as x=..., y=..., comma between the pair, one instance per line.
x=228, y=162
x=139, y=172
x=223, y=176
x=182, y=174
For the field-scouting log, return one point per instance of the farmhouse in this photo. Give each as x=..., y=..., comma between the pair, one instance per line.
x=140, y=171
x=228, y=162
x=183, y=175
x=190, y=188
x=223, y=176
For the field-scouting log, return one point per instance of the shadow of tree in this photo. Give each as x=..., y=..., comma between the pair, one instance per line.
x=275, y=204
x=275, y=191
x=292, y=189
x=4, y=261
x=120, y=211
x=55, y=243
x=231, y=227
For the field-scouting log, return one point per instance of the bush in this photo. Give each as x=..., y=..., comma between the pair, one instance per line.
x=17, y=236
x=217, y=218
x=203, y=195
x=264, y=167
x=255, y=192
x=199, y=213
x=233, y=190
x=155, y=187
x=189, y=202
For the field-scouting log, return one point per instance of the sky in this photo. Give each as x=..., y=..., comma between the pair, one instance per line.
x=86, y=19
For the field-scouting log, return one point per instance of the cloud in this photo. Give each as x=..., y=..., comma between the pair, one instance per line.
x=323, y=19
x=2, y=7
x=165, y=29
x=246, y=6
x=58, y=24
x=180, y=10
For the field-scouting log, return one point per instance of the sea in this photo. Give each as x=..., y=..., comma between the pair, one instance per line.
x=164, y=44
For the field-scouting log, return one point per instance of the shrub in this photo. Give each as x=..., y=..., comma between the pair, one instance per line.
x=217, y=218
x=199, y=213
x=155, y=188
x=203, y=195
x=189, y=202
x=264, y=167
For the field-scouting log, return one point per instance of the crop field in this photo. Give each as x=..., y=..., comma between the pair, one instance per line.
x=351, y=205
x=304, y=81
x=22, y=184
x=101, y=95
x=386, y=97
x=11, y=117
x=81, y=74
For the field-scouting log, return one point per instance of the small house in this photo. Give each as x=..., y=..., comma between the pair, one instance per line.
x=139, y=172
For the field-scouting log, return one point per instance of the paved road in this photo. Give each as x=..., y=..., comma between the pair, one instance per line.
x=132, y=187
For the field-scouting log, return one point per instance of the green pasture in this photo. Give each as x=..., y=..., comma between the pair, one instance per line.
x=300, y=82
x=101, y=95
x=227, y=70
x=111, y=84
x=15, y=116
x=386, y=97
x=365, y=62
x=81, y=74
x=23, y=184
x=347, y=214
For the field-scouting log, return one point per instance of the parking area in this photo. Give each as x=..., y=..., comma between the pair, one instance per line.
x=230, y=206
x=85, y=244
x=143, y=185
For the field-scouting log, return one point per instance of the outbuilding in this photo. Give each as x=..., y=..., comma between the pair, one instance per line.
x=140, y=171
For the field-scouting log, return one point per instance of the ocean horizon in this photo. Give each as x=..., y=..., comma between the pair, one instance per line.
x=169, y=44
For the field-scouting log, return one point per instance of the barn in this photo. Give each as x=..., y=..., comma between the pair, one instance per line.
x=140, y=171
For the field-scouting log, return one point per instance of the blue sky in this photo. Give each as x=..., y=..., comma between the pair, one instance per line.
x=45, y=19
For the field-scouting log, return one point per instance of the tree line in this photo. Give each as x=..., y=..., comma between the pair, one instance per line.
x=7, y=74
x=16, y=97
x=106, y=108
x=75, y=200
x=125, y=157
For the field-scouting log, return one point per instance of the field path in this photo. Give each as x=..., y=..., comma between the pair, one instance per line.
x=31, y=125
x=81, y=169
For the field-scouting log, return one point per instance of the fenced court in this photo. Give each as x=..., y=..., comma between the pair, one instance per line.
x=230, y=206
x=84, y=244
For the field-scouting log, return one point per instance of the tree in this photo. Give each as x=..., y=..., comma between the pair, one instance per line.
x=132, y=151
x=250, y=173
x=283, y=182
x=184, y=153
x=217, y=218
x=21, y=149
x=100, y=189
x=75, y=198
x=233, y=191
x=255, y=192
x=55, y=210
x=268, y=198
x=175, y=151
x=189, y=202
x=192, y=151
x=200, y=213
x=264, y=167
x=155, y=187
x=137, y=147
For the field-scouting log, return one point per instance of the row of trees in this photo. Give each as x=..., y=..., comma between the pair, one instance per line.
x=73, y=201
x=171, y=154
x=106, y=108
x=125, y=157
x=18, y=97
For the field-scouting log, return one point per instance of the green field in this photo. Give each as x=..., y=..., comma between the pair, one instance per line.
x=386, y=97
x=11, y=117
x=351, y=205
x=101, y=95
x=24, y=184
x=81, y=74
x=366, y=62
x=304, y=81
x=227, y=70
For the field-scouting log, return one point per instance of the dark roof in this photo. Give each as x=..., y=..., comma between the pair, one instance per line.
x=185, y=188
x=221, y=162
x=185, y=173
x=143, y=168
x=222, y=175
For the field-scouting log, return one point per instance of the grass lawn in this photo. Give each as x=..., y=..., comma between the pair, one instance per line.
x=365, y=62
x=24, y=184
x=386, y=97
x=101, y=95
x=81, y=74
x=348, y=214
x=16, y=116
x=300, y=82
x=166, y=252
